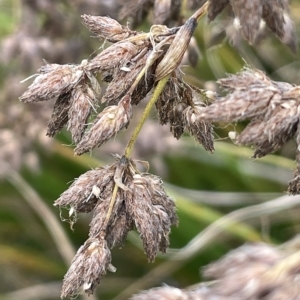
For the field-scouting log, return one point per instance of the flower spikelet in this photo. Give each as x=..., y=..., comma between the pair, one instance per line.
x=107, y=28
x=294, y=184
x=123, y=79
x=114, y=56
x=202, y=131
x=86, y=190
x=119, y=225
x=215, y=7
x=52, y=82
x=59, y=117
x=271, y=133
x=161, y=198
x=252, y=15
x=152, y=221
x=107, y=124
x=83, y=100
x=89, y=265
x=174, y=55
x=248, y=99
x=249, y=13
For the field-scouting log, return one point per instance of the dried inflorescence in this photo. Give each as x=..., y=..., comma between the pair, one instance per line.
x=253, y=17
x=89, y=265
x=132, y=65
x=121, y=199
x=181, y=105
x=119, y=196
x=272, y=107
x=253, y=271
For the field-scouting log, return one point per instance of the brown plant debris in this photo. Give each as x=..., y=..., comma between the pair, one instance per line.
x=253, y=271
x=272, y=107
x=121, y=199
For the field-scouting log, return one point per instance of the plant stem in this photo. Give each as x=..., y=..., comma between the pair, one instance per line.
x=111, y=206
x=159, y=88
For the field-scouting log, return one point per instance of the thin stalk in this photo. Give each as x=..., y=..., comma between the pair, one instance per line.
x=159, y=88
x=111, y=205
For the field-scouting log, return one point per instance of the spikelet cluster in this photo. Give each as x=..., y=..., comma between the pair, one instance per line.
x=77, y=91
x=272, y=108
x=140, y=202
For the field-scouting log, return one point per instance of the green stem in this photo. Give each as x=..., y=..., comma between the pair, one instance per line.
x=159, y=88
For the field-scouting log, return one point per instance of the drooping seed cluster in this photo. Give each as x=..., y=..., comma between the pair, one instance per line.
x=252, y=271
x=273, y=109
x=140, y=202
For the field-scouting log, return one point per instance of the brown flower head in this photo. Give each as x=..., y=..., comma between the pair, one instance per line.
x=272, y=107
x=59, y=117
x=152, y=219
x=87, y=190
x=107, y=28
x=89, y=265
x=107, y=124
x=181, y=105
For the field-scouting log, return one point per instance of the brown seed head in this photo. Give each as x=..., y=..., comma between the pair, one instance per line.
x=89, y=265
x=85, y=191
x=107, y=28
x=59, y=117
x=107, y=124
x=152, y=221
x=51, y=84
x=83, y=101
x=202, y=131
